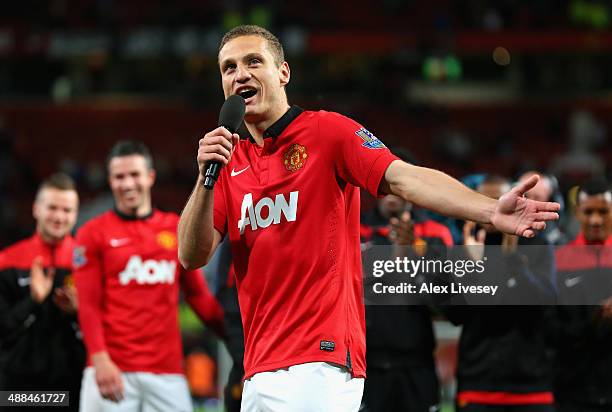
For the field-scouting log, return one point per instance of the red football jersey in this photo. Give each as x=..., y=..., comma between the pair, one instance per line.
x=128, y=276
x=291, y=209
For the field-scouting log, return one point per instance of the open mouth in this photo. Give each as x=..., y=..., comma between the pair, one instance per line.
x=247, y=93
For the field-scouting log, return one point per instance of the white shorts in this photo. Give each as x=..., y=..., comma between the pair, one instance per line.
x=308, y=387
x=144, y=392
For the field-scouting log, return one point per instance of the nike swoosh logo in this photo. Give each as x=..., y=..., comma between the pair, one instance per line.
x=119, y=242
x=236, y=173
x=571, y=282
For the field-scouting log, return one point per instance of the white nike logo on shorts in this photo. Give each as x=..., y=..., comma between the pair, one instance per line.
x=571, y=282
x=236, y=173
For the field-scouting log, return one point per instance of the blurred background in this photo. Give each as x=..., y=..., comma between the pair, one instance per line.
x=467, y=86
x=470, y=86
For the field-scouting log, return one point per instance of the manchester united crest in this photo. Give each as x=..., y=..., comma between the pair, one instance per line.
x=295, y=158
x=166, y=239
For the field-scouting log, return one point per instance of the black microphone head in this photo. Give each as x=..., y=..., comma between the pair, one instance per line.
x=232, y=113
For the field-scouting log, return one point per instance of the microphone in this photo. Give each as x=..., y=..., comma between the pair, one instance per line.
x=230, y=117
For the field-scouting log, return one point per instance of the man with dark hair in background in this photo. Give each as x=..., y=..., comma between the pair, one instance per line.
x=506, y=352
x=41, y=347
x=128, y=278
x=288, y=198
x=584, y=378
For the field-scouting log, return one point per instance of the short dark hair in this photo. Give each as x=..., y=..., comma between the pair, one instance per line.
x=593, y=187
x=128, y=148
x=59, y=181
x=275, y=46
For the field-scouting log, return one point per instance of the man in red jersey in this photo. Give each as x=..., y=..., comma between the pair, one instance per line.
x=584, y=381
x=39, y=335
x=288, y=198
x=128, y=279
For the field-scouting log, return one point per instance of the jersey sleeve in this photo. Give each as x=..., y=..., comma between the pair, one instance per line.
x=89, y=281
x=359, y=157
x=201, y=300
x=219, y=207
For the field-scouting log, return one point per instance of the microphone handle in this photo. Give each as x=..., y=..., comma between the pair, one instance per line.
x=211, y=175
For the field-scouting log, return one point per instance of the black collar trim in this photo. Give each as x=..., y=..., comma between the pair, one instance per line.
x=123, y=216
x=275, y=130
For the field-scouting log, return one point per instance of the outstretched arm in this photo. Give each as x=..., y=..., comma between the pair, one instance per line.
x=434, y=190
x=437, y=191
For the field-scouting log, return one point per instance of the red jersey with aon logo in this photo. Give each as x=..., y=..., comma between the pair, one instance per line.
x=291, y=211
x=128, y=279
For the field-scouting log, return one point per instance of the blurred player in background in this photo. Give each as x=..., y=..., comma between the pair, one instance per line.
x=506, y=355
x=584, y=379
x=128, y=278
x=288, y=199
x=41, y=347
x=401, y=367
x=225, y=280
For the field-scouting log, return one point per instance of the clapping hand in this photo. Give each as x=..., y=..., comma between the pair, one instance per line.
x=41, y=283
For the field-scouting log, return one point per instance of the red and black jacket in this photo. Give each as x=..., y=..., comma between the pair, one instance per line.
x=506, y=353
x=585, y=335
x=401, y=336
x=40, y=345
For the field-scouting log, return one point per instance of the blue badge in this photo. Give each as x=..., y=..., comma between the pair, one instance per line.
x=78, y=257
x=369, y=140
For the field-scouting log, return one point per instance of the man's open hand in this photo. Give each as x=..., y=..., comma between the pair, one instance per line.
x=517, y=215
